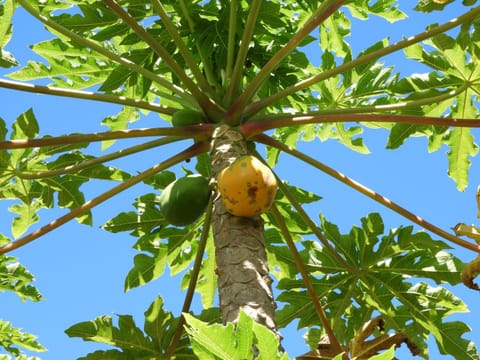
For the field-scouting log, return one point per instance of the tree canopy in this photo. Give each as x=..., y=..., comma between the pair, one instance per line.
x=269, y=79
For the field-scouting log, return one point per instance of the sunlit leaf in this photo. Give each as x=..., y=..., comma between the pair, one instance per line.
x=15, y=340
x=16, y=278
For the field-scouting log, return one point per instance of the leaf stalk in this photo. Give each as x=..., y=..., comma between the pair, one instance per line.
x=184, y=51
x=200, y=132
x=264, y=139
x=250, y=129
x=192, y=151
x=193, y=279
x=311, y=224
x=261, y=104
x=236, y=79
x=86, y=95
x=336, y=347
x=326, y=9
x=106, y=53
x=95, y=161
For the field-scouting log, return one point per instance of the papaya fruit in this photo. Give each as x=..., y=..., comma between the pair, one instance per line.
x=185, y=199
x=186, y=117
x=247, y=187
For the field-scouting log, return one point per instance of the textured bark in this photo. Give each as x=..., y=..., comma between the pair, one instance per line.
x=242, y=269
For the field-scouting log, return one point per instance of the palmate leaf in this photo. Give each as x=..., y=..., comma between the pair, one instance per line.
x=365, y=85
x=140, y=222
x=215, y=341
x=455, y=70
x=24, y=181
x=375, y=276
x=173, y=246
x=131, y=341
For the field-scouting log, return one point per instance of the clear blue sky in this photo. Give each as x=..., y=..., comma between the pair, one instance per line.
x=80, y=270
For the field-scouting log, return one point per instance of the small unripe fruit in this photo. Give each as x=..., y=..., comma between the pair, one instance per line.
x=184, y=200
x=186, y=117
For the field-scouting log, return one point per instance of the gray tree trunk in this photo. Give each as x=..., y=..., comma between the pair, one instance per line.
x=242, y=269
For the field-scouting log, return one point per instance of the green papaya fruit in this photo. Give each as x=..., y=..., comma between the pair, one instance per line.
x=186, y=117
x=184, y=200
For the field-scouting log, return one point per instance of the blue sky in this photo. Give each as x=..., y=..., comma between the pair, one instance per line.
x=80, y=270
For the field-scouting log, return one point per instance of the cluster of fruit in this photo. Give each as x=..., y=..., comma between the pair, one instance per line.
x=247, y=186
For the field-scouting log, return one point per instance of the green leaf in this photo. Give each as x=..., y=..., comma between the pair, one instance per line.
x=206, y=285
x=386, y=355
x=386, y=9
x=214, y=341
x=141, y=222
x=452, y=342
x=378, y=272
x=125, y=336
x=267, y=343
x=454, y=62
x=462, y=146
x=25, y=126
x=160, y=325
x=7, y=10
x=120, y=121
x=132, y=342
x=69, y=194
x=146, y=268
x=89, y=16
x=26, y=216
x=333, y=32
x=16, y=278
x=108, y=354
x=69, y=66
x=11, y=339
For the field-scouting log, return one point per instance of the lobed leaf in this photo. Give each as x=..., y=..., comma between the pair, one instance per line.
x=215, y=341
x=131, y=341
x=16, y=278
x=14, y=340
x=372, y=273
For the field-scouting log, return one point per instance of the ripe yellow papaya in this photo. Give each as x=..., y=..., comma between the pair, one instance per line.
x=247, y=187
x=185, y=199
x=186, y=117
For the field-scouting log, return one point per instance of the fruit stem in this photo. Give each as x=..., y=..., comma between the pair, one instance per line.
x=264, y=139
x=194, y=150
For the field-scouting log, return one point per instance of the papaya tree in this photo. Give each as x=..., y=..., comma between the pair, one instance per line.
x=236, y=86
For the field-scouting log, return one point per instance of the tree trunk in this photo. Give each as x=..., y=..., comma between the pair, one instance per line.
x=242, y=269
